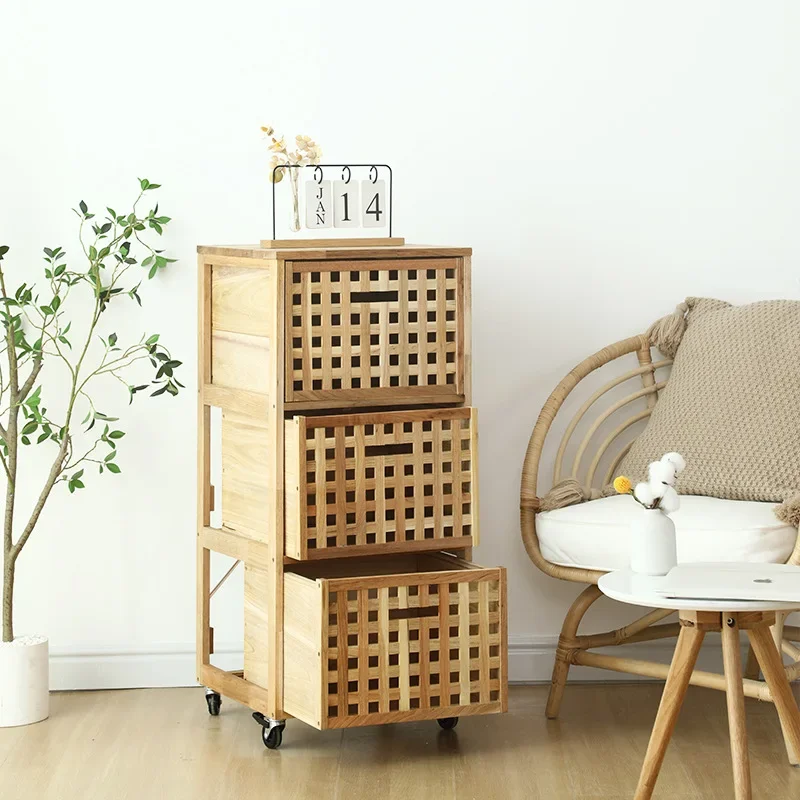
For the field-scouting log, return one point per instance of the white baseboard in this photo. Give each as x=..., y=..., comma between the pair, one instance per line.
x=156, y=666
x=530, y=660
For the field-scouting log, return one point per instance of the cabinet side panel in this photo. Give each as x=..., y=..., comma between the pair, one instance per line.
x=256, y=625
x=246, y=448
x=240, y=300
x=302, y=648
x=240, y=361
x=240, y=327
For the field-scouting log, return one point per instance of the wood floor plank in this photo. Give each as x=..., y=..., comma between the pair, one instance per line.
x=153, y=743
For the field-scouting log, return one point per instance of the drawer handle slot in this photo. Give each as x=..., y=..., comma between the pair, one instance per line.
x=374, y=297
x=413, y=613
x=403, y=448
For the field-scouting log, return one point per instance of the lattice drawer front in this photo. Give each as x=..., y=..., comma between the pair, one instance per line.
x=365, y=329
x=414, y=648
x=357, y=484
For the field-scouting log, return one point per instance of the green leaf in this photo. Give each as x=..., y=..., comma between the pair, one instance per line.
x=116, y=434
x=148, y=261
x=92, y=252
x=112, y=339
x=157, y=392
x=143, y=184
x=110, y=456
x=153, y=272
x=112, y=467
x=84, y=208
x=153, y=339
x=30, y=427
x=78, y=484
x=25, y=440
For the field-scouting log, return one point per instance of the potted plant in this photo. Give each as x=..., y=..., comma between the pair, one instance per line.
x=66, y=325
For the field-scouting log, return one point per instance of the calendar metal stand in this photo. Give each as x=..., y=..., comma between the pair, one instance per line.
x=373, y=241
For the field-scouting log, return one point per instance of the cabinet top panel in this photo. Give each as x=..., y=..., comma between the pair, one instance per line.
x=319, y=253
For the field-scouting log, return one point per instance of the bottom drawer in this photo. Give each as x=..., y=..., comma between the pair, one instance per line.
x=372, y=641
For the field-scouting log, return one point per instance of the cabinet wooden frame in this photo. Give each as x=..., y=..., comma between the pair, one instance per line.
x=239, y=308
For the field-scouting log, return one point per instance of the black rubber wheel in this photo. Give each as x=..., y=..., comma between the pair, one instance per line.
x=448, y=723
x=214, y=701
x=272, y=738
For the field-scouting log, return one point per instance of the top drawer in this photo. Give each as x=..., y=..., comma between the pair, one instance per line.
x=374, y=332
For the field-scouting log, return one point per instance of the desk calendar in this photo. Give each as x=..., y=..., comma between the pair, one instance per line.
x=349, y=196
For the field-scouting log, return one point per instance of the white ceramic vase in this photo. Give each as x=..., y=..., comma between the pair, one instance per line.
x=653, y=544
x=24, y=681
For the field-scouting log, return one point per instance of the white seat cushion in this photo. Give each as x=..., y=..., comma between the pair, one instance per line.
x=594, y=535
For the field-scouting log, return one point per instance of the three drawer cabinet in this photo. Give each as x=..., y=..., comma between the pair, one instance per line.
x=347, y=450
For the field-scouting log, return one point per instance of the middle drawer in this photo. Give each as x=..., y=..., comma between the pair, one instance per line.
x=386, y=482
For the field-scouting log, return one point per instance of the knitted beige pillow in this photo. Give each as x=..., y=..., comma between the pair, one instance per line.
x=732, y=403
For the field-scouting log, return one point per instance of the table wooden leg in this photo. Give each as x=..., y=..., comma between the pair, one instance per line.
x=732, y=658
x=689, y=641
x=775, y=676
x=777, y=637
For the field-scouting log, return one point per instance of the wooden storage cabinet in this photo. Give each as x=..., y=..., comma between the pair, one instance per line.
x=348, y=464
x=425, y=640
x=370, y=483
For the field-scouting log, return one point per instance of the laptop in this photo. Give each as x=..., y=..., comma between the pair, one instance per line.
x=733, y=581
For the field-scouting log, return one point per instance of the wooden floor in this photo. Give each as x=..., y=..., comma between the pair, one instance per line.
x=161, y=743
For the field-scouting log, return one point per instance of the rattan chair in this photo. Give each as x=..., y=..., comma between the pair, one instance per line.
x=572, y=647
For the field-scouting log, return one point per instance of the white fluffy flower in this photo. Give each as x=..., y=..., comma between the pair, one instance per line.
x=662, y=472
x=644, y=494
x=677, y=461
x=670, y=501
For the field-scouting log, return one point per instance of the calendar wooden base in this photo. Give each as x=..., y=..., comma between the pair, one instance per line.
x=384, y=241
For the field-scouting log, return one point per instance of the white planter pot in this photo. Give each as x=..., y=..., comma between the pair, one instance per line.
x=653, y=544
x=24, y=681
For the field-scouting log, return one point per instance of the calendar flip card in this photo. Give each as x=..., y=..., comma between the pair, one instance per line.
x=373, y=204
x=346, y=209
x=319, y=204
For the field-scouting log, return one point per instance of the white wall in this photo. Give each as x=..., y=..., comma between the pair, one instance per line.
x=603, y=159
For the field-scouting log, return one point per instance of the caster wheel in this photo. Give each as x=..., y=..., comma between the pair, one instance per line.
x=272, y=738
x=271, y=730
x=214, y=701
x=448, y=723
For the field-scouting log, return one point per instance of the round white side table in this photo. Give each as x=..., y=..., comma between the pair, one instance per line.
x=697, y=617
